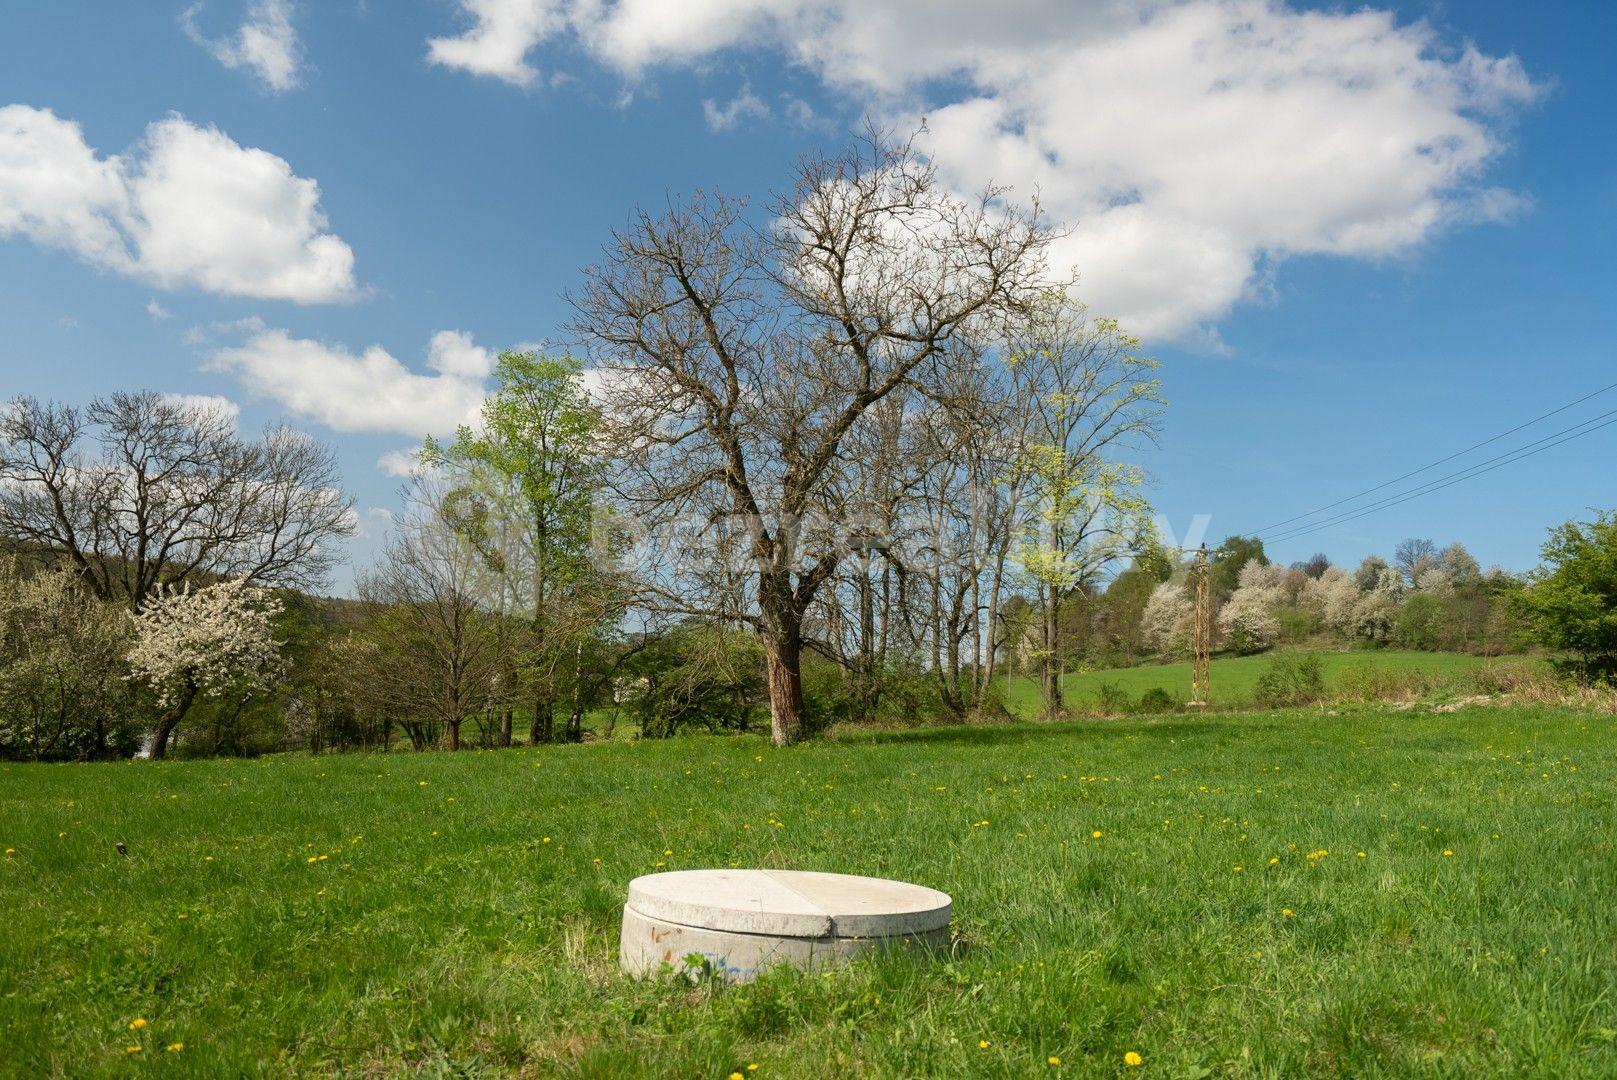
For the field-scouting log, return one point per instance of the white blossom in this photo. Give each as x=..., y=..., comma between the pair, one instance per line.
x=1167, y=620
x=199, y=642
x=1247, y=619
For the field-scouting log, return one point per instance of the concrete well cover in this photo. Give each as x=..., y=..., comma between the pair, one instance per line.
x=790, y=903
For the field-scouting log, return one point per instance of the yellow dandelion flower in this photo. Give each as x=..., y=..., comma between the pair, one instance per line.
x=1273, y=861
x=1446, y=854
x=1133, y=1059
x=1237, y=870
x=1097, y=834
x=1287, y=912
x=10, y=851
x=544, y=839
x=982, y=1044
x=132, y=1049
x=174, y=1048
x=737, y=1076
x=137, y=1023
x=1053, y=1060
x=752, y=1066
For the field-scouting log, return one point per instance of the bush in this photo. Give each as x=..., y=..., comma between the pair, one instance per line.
x=1158, y=700
x=1113, y=698
x=1291, y=679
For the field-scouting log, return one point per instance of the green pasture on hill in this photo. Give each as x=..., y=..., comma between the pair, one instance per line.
x=1234, y=678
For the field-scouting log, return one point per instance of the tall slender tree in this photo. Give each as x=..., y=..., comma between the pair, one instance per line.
x=524, y=486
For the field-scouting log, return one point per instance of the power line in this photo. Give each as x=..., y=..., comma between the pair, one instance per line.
x=1508, y=458
x=1439, y=461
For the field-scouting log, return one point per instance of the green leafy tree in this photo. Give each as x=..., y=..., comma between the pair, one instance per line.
x=1091, y=395
x=1570, y=603
x=1226, y=561
x=524, y=491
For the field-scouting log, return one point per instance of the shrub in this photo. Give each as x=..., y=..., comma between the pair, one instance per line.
x=1157, y=700
x=1291, y=679
x=1113, y=698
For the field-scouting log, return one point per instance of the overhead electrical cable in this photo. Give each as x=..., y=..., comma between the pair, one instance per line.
x=1440, y=461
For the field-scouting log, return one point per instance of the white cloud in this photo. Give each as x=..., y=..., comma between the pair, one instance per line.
x=497, y=44
x=188, y=207
x=207, y=404
x=156, y=310
x=1190, y=147
x=745, y=105
x=401, y=463
x=369, y=391
x=266, y=43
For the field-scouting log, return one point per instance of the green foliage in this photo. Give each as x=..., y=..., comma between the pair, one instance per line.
x=1570, y=604
x=1291, y=679
x=696, y=676
x=1226, y=560
x=1157, y=700
x=62, y=689
x=1420, y=622
x=1112, y=698
x=442, y=936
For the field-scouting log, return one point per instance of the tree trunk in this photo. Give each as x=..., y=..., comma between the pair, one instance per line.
x=453, y=728
x=505, y=727
x=157, y=744
x=1053, y=704
x=542, y=728
x=783, y=662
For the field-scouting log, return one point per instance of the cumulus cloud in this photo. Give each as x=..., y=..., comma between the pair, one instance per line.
x=1189, y=147
x=401, y=463
x=207, y=405
x=187, y=207
x=156, y=310
x=367, y=391
x=745, y=105
x=499, y=39
x=266, y=43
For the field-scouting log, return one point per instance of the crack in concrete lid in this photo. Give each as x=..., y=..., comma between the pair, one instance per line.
x=790, y=903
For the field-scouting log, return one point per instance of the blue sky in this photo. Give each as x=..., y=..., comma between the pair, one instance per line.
x=1358, y=240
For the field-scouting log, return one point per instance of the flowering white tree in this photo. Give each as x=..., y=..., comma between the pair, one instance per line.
x=199, y=643
x=1375, y=613
x=1338, y=593
x=1247, y=619
x=1166, y=622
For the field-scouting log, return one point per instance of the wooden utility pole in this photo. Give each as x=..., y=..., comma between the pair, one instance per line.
x=1202, y=649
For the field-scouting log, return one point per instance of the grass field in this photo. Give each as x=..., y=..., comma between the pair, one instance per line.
x=1234, y=678
x=1369, y=892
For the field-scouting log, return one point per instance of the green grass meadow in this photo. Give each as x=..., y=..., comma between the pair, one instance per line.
x=1360, y=891
x=1234, y=678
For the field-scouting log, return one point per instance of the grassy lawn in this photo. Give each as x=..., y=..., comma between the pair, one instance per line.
x=1234, y=678
x=1370, y=892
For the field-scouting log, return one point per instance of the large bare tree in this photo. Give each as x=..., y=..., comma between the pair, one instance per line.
x=140, y=491
x=737, y=360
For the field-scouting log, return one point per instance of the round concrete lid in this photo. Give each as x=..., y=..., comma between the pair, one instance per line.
x=789, y=903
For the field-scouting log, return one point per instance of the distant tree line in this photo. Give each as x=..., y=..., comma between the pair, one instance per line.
x=857, y=459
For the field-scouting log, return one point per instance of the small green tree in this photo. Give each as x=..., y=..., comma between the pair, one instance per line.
x=525, y=485
x=1570, y=604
